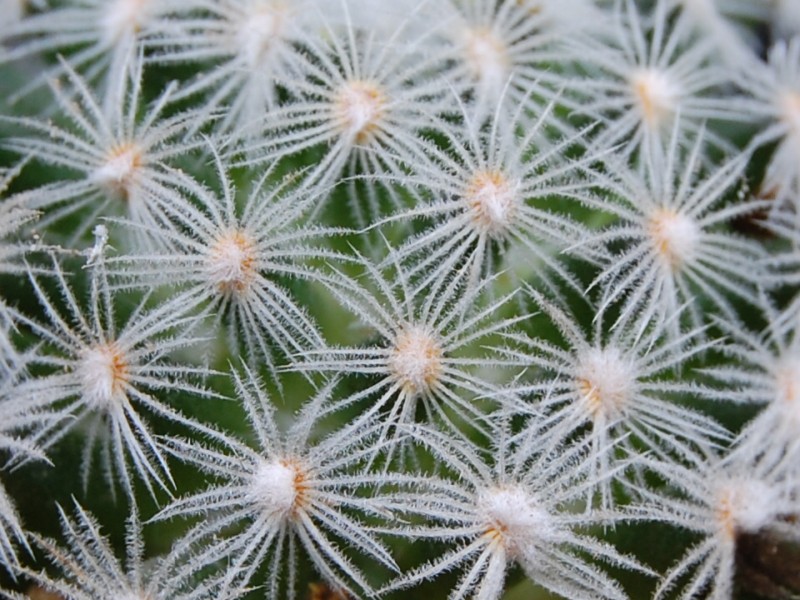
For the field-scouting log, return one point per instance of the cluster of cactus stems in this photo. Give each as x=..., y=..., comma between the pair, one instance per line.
x=423, y=298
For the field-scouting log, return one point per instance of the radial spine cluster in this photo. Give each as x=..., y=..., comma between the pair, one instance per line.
x=452, y=299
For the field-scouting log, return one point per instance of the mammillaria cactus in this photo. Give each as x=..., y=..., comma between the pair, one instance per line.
x=491, y=299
